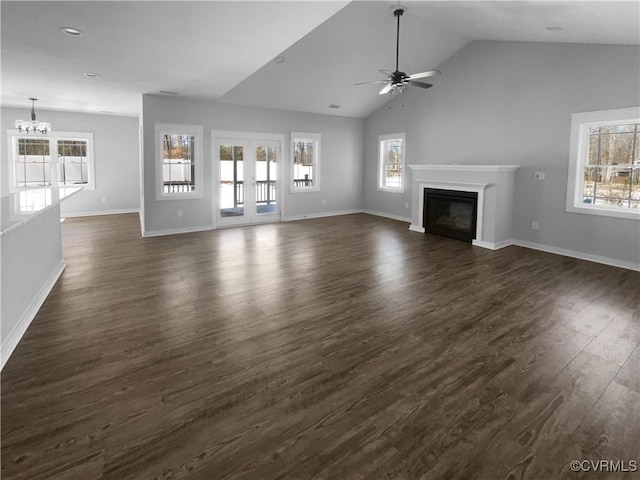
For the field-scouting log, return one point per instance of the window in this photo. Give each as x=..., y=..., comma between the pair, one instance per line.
x=72, y=162
x=305, y=163
x=35, y=163
x=179, y=165
x=391, y=162
x=604, y=170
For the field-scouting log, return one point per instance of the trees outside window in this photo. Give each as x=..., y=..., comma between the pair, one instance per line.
x=305, y=162
x=391, y=162
x=604, y=169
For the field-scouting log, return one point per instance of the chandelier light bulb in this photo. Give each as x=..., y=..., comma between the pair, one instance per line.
x=33, y=125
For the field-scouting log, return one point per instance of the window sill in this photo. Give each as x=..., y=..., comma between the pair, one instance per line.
x=604, y=212
x=305, y=190
x=179, y=196
x=391, y=190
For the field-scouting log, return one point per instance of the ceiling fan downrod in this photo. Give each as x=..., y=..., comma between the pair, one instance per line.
x=398, y=13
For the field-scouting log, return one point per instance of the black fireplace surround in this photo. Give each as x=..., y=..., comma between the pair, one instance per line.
x=450, y=213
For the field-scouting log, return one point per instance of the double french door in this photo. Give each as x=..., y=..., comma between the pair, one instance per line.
x=248, y=180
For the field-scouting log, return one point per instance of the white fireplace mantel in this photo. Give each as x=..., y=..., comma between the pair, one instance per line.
x=494, y=185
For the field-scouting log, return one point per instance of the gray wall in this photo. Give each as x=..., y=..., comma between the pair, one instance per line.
x=510, y=103
x=340, y=164
x=116, y=158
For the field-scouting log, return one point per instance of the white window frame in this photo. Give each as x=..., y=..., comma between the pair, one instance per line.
x=315, y=138
x=385, y=138
x=14, y=135
x=578, y=157
x=197, y=131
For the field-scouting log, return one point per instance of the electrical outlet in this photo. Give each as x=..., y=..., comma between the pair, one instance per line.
x=179, y=213
x=535, y=226
x=104, y=199
x=540, y=176
x=406, y=205
x=323, y=201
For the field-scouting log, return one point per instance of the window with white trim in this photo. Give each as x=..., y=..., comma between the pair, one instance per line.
x=179, y=161
x=305, y=162
x=604, y=170
x=391, y=162
x=57, y=160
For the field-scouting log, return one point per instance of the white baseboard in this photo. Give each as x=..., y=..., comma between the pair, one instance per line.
x=580, y=255
x=175, y=231
x=19, y=330
x=102, y=212
x=492, y=245
x=320, y=215
x=416, y=228
x=388, y=215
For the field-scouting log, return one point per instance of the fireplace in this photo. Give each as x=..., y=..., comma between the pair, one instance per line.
x=451, y=213
x=494, y=185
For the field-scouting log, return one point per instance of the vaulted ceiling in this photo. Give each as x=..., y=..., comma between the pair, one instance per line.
x=226, y=51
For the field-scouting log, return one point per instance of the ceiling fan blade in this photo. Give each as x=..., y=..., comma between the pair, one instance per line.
x=386, y=89
x=387, y=73
x=430, y=73
x=367, y=83
x=420, y=84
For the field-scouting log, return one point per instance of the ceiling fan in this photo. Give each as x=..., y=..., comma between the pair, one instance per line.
x=398, y=81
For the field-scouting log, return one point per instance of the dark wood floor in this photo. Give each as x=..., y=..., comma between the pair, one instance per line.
x=336, y=348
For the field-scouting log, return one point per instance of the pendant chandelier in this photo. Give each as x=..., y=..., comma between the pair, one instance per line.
x=33, y=125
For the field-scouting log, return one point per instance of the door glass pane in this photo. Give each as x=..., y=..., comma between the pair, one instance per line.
x=266, y=157
x=231, y=180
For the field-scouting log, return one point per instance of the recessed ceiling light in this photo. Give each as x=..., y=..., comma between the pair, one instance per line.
x=333, y=105
x=279, y=59
x=167, y=92
x=91, y=74
x=73, y=32
x=553, y=28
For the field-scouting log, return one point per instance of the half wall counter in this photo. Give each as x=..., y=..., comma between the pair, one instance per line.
x=30, y=258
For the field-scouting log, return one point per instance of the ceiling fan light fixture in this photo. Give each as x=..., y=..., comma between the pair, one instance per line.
x=399, y=87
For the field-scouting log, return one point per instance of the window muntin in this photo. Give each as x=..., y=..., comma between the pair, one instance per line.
x=179, y=161
x=305, y=162
x=57, y=160
x=604, y=169
x=391, y=162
